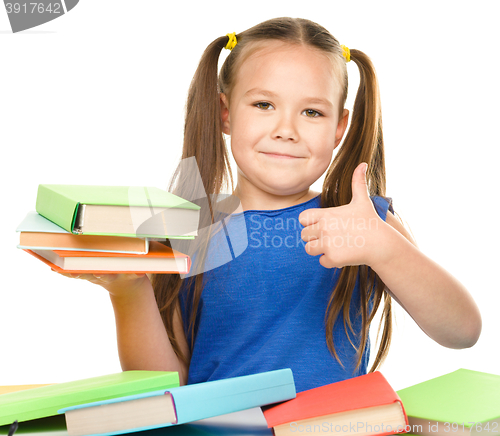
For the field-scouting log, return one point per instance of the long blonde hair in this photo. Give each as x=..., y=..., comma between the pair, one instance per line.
x=203, y=139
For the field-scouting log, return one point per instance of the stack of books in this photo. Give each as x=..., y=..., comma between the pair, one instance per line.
x=141, y=400
x=108, y=229
x=459, y=403
x=133, y=401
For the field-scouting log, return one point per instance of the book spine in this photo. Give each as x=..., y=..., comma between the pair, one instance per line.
x=398, y=400
x=55, y=207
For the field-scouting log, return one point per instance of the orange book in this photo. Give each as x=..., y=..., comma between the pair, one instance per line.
x=68, y=241
x=160, y=259
x=362, y=406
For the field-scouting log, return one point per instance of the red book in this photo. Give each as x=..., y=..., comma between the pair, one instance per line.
x=364, y=405
x=160, y=259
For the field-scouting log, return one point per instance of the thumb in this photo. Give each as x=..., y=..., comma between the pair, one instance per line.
x=359, y=185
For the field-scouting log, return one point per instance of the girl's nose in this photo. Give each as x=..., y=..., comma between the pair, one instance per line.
x=285, y=129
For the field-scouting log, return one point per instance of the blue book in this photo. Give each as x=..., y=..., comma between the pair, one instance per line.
x=179, y=405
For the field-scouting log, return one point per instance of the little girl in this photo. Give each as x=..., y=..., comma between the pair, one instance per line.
x=315, y=266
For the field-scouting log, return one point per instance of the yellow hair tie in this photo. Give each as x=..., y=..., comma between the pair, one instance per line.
x=232, y=41
x=346, y=53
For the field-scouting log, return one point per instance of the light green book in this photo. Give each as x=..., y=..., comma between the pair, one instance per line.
x=118, y=211
x=47, y=400
x=455, y=404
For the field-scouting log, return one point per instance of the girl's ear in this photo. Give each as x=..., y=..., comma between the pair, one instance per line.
x=224, y=110
x=341, y=127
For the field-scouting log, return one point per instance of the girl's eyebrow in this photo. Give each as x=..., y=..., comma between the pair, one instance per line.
x=258, y=91
x=322, y=101
x=265, y=93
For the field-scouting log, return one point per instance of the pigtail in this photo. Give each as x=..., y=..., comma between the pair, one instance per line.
x=203, y=140
x=203, y=137
x=363, y=143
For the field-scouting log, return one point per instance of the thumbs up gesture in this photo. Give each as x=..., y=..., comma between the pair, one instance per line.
x=346, y=235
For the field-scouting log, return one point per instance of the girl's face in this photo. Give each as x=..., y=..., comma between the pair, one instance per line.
x=283, y=119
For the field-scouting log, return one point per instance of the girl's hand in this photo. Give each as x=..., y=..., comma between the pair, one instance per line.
x=118, y=285
x=346, y=235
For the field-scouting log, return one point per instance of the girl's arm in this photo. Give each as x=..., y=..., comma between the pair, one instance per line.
x=439, y=303
x=143, y=343
x=354, y=234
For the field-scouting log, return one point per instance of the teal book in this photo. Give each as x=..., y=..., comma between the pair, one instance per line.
x=460, y=403
x=46, y=401
x=184, y=404
x=38, y=233
x=132, y=211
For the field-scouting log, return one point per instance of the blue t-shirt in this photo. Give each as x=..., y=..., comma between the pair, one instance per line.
x=265, y=309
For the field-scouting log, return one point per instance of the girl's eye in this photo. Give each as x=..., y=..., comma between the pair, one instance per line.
x=311, y=113
x=263, y=105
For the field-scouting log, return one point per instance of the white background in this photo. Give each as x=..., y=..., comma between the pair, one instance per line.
x=97, y=97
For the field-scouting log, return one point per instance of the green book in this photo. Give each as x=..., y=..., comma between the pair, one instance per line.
x=118, y=211
x=461, y=402
x=47, y=400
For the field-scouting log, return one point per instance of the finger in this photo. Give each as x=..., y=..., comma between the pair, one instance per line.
x=84, y=276
x=314, y=248
x=359, y=185
x=327, y=263
x=103, y=277
x=310, y=233
x=310, y=216
x=108, y=278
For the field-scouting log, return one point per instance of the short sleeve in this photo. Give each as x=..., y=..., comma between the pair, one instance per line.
x=382, y=205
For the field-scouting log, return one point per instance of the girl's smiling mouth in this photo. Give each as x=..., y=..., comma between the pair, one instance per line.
x=280, y=156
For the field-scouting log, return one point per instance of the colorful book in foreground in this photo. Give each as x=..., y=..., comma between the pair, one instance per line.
x=160, y=259
x=460, y=403
x=118, y=211
x=180, y=405
x=47, y=400
x=364, y=405
x=37, y=232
